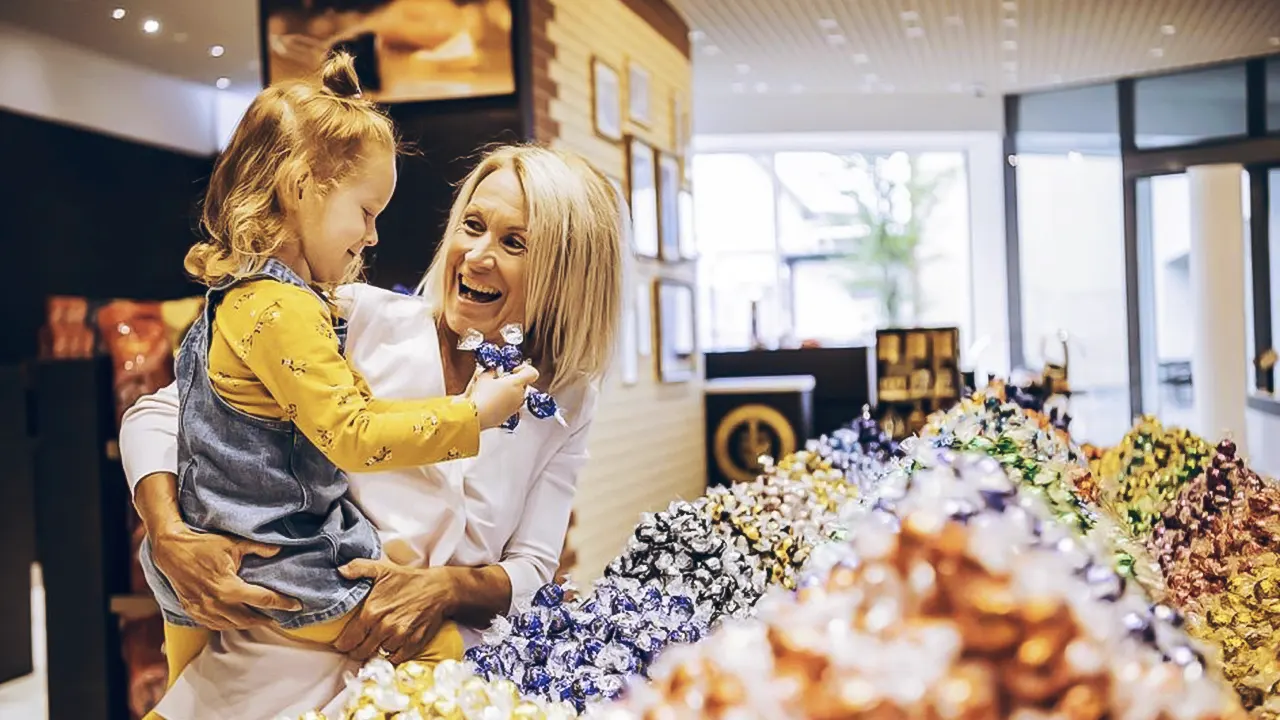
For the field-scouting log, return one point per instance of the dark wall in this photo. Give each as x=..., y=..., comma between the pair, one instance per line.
x=84, y=213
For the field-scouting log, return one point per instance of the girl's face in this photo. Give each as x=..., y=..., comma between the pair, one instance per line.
x=337, y=225
x=485, y=258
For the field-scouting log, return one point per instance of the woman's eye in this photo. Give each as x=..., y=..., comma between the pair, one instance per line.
x=514, y=242
x=473, y=226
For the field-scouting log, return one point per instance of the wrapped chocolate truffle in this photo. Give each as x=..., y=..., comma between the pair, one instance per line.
x=1141, y=477
x=507, y=358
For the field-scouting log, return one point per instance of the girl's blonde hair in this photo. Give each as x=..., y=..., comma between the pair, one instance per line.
x=297, y=131
x=575, y=268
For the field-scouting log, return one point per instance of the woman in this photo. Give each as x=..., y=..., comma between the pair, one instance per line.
x=533, y=238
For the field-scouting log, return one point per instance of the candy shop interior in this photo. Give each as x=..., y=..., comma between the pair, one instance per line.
x=943, y=386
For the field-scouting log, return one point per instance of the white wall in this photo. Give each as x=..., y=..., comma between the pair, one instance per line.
x=721, y=113
x=54, y=80
x=1264, y=456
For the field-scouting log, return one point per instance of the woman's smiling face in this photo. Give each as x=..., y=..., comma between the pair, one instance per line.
x=486, y=257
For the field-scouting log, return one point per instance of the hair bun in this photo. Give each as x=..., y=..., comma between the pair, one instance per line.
x=338, y=75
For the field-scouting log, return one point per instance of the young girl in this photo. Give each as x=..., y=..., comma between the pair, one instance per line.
x=271, y=414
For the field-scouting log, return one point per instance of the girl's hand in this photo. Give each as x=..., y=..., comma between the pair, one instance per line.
x=498, y=398
x=203, y=570
x=402, y=613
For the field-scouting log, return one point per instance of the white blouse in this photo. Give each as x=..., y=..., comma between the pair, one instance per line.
x=508, y=506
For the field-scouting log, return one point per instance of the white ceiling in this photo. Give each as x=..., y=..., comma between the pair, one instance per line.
x=785, y=47
x=188, y=28
x=775, y=47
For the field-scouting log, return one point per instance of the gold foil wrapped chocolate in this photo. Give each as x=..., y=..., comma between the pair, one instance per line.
x=1140, y=477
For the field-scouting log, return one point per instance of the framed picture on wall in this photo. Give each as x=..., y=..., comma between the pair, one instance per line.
x=629, y=345
x=456, y=50
x=606, y=100
x=677, y=337
x=644, y=319
x=688, y=242
x=638, y=95
x=669, y=206
x=642, y=182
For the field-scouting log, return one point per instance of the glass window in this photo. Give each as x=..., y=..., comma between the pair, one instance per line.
x=1071, y=232
x=1188, y=108
x=1273, y=228
x=1273, y=94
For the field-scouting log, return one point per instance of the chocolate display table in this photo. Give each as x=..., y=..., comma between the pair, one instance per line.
x=748, y=417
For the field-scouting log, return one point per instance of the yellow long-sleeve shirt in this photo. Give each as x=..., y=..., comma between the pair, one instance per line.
x=274, y=354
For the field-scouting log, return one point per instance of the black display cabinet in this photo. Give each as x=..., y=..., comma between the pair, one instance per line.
x=749, y=417
x=17, y=526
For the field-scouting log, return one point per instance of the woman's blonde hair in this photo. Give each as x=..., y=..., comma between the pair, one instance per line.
x=297, y=131
x=575, y=268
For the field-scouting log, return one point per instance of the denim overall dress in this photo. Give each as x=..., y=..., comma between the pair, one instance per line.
x=263, y=480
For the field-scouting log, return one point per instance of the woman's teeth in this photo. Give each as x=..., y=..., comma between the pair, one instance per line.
x=477, y=292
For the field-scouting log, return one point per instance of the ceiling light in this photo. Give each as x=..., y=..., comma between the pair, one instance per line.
x=762, y=87
x=860, y=59
x=828, y=24
x=118, y=14
x=1010, y=22
x=697, y=35
x=711, y=50
x=1168, y=30
x=739, y=87
x=1010, y=6
x=915, y=31
x=1156, y=52
x=910, y=16
x=223, y=83
x=743, y=68
x=216, y=51
x=151, y=26
x=1075, y=156
x=1010, y=44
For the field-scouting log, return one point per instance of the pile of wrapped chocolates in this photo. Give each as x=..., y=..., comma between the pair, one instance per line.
x=1141, y=476
x=963, y=599
x=1217, y=543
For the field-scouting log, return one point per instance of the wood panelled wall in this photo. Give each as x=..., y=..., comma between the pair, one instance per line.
x=647, y=446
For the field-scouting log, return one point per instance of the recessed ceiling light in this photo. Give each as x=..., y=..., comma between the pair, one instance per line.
x=836, y=39
x=762, y=87
x=915, y=31
x=1010, y=6
x=1010, y=44
x=743, y=68
x=860, y=59
x=223, y=83
x=1010, y=22
x=216, y=51
x=828, y=24
x=910, y=16
x=1168, y=30
x=739, y=87
x=118, y=14
x=711, y=50
x=1156, y=52
x=1075, y=156
x=151, y=26
x=954, y=20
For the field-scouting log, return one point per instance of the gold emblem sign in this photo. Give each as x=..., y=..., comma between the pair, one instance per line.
x=745, y=434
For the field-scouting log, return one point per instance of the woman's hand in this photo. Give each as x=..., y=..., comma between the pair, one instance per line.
x=203, y=569
x=402, y=613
